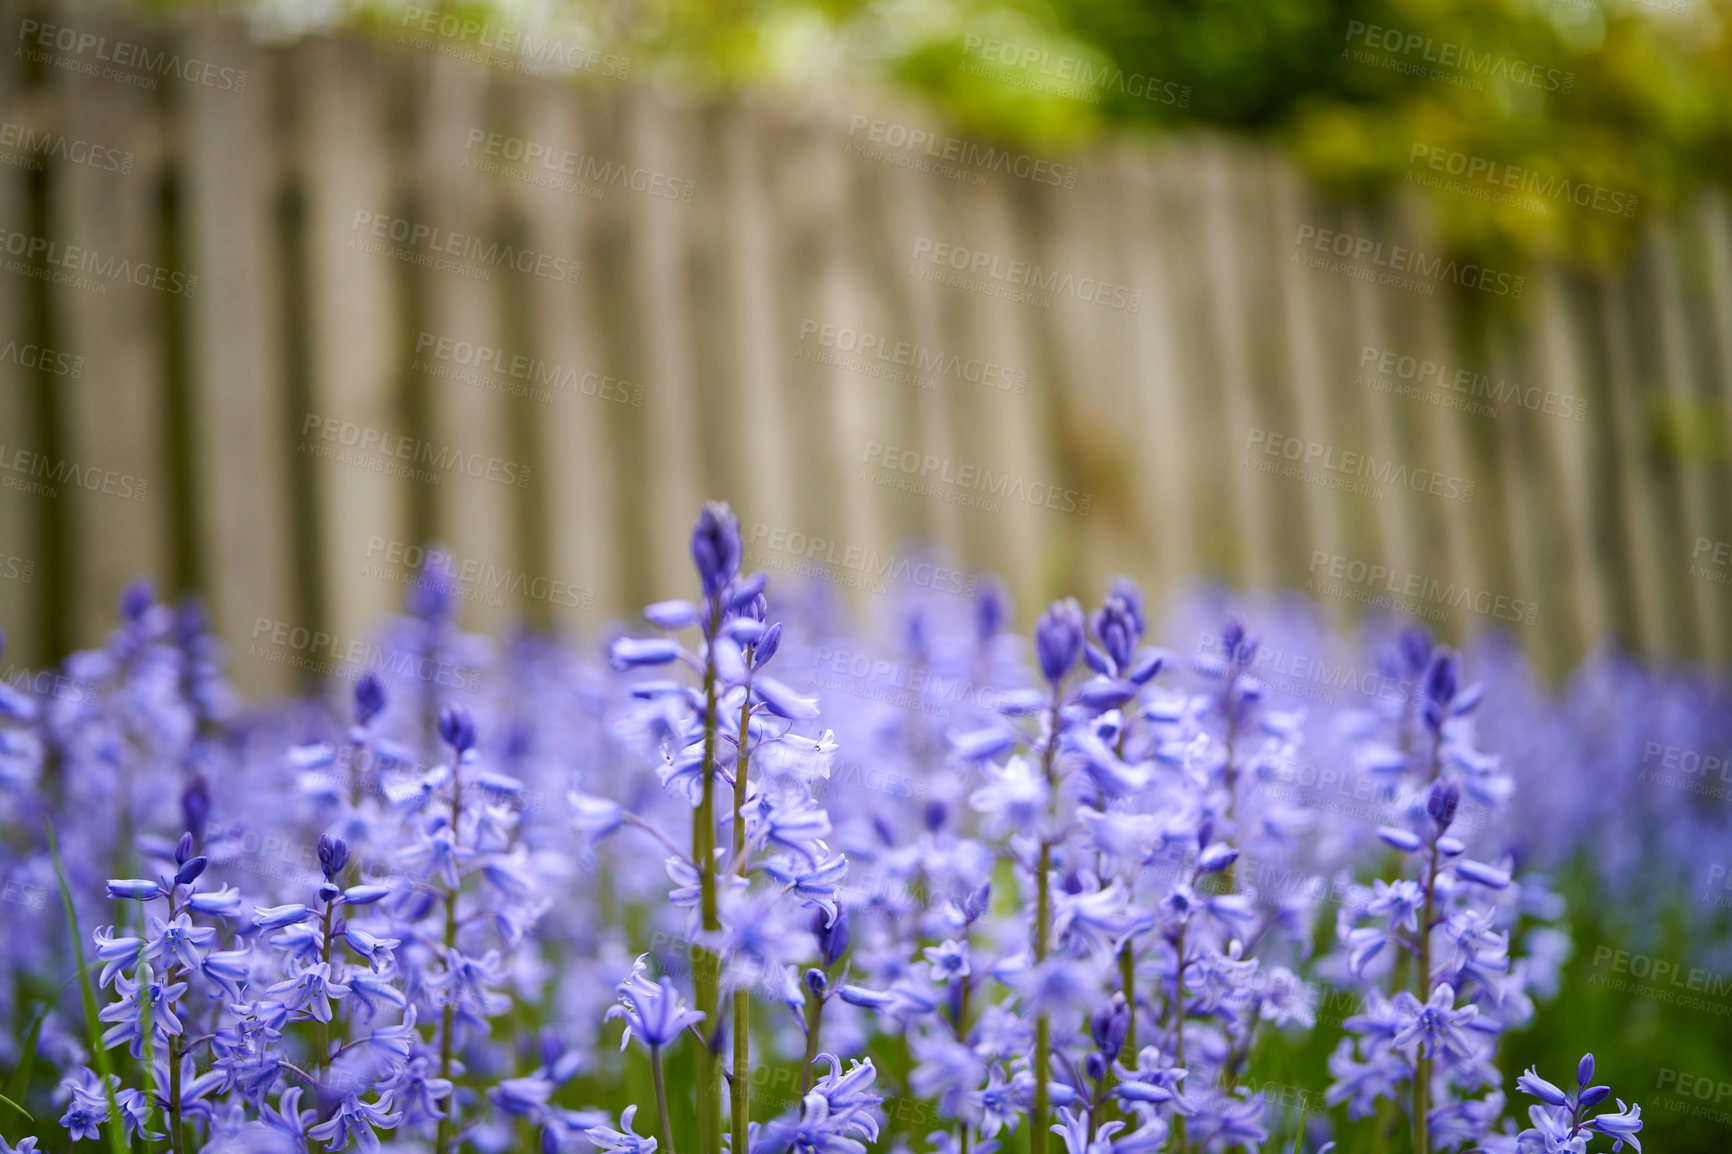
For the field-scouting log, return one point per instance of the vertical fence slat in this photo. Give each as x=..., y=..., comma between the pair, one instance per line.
x=1229, y=330
x=1155, y=399
x=1682, y=384
x=580, y=472
x=115, y=423
x=467, y=411
x=237, y=384
x=354, y=320
x=664, y=334
x=23, y=592
x=1577, y=594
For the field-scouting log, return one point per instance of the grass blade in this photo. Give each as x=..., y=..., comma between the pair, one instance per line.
x=9, y=1102
x=93, y=1024
x=19, y=1085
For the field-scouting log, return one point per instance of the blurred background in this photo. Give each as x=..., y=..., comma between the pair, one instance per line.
x=1412, y=308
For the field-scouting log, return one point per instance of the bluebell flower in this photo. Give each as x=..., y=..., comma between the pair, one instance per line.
x=783, y=701
x=127, y=1012
x=1213, y=1117
x=115, y=954
x=418, y=1091
x=369, y=698
x=355, y=1121
x=1435, y=1027
x=276, y=917
x=1014, y=798
x=1622, y=1126
x=135, y=1115
x=310, y=991
x=981, y=744
x=671, y=614
x=794, y=822
x=716, y=546
x=457, y=728
x=653, y=1010
x=138, y=889
x=625, y=1140
x=949, y=960
x=376, y=950
x=224, y=903
x=1058, y=638
x=86, y=1105
x=627, y=653
x=523, y=1097
x=333, y=855
x=813, y=883
x=832, y=935
x=178, y=942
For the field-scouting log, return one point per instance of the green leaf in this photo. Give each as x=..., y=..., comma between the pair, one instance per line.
x=19, y=1086
x=92, y=1023
x=15, y=1106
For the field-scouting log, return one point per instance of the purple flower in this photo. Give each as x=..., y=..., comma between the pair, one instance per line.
x=310, y=991
x=1622, y=1127
x=625, y=1140
x=653, y=1010
x=631, y=653
x=671, y=614
x=355, y=1120
x=456, y=728
x=1058, y=638
x=333, y=856
x=178, y=942
x=1436, y=1026
x=138, y=889
x=276, y=917
x=369, y=698
x=716, y=546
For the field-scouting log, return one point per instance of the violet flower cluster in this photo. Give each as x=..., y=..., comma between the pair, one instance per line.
x=742, y=875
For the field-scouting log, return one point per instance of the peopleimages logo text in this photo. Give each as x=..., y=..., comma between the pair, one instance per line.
x=959, y=150
x=78, y=259
x=463, y=246
x=873, y=568
x=1413, y=47
x=1522, y=180
x=1401, y=259
x=88, y=45
x=1361, y=466
x=1417, y=587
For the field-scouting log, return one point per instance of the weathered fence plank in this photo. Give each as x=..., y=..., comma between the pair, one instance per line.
x=688, y=358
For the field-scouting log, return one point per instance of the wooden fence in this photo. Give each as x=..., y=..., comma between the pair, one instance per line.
x=278, y=314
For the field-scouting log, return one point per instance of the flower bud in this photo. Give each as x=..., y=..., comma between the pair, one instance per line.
x=333, y=855
x=832, y=937
x=1441, y=804
x=369, y=698
x=1058, y=637
x=138, y=889
x=716, y=546
x=457, y=728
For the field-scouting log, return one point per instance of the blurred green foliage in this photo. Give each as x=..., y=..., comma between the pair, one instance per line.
x=1562, y=123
